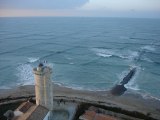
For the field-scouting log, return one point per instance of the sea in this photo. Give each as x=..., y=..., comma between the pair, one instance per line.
x=85, y=53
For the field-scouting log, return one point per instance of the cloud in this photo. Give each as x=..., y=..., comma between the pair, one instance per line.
x=123, y=5
x=41, y=4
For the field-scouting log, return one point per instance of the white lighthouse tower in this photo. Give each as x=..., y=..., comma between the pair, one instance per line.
x=43, y=86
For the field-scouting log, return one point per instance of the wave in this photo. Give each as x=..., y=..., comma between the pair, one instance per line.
x=104, y=55
x=32, y=60
x=147, y=59
x=58, y=52
x=149, y=96
x=25, y=71
x=132, y=84
x=19, y=49
x=79, y=87
x=71, y=63
x=137, y=38
x=133, y=90
x=152, y=52
x=144, y=95
x=127, y=54
x=148, y=48
x=154, y=73
x=103, y=52
x=25, y=74
x=72, y=86
x=131, y=55
x=6, y=52
x=5, y=67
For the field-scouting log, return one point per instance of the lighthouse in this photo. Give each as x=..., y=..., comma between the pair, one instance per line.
x=43, y=86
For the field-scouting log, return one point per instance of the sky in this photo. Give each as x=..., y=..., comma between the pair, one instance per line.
x=81, y=8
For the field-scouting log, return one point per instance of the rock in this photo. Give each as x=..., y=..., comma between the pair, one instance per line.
x=118, y=90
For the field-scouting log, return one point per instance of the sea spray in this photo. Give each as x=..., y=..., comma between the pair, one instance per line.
x=133, y=82
x=25, y=75
x=24, y=72
x=32, y=60
x=148, y=48
x=130, y=55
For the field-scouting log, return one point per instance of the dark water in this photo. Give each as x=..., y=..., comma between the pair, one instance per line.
x=86, y=53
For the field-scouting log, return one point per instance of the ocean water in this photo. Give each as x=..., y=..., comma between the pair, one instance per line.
x=85, y=53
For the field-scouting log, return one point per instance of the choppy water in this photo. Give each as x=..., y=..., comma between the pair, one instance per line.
x=86, y=53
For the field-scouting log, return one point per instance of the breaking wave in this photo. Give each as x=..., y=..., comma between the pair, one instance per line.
x=32, y=60
x=25, y=75
x=128, y=54
x=146, y=95
x=132, y=84
x=148, y=48
x=131, y=55
x=104, y=55
x=25, y=71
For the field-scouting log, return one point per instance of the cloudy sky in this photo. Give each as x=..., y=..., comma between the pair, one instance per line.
x=91, y=8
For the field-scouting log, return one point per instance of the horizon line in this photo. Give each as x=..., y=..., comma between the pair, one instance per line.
x=81, y=17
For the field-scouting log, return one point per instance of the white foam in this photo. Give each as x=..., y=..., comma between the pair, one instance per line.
x=32, y=60
x=67, y=85
x=148, y=96
x=133, y=54
x=132, y=84
x=25, y=74
x=102, y=52
x=78, y=87
x=57, y=83
x=130, y=55
x=122, y=75
x=149, y=48
x=49, y=65
x=103, y=55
